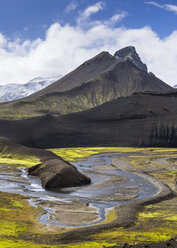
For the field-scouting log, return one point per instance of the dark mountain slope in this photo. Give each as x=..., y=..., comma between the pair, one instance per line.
x=95, y=67
x=85, y=72
x=121, y=79
x=137, y=120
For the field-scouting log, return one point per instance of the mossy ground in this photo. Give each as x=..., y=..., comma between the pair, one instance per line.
x=72, y=154
x=18, y=159
x=18, y=221
x=157, y=222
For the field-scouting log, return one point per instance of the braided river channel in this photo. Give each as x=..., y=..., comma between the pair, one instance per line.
x=79, y=206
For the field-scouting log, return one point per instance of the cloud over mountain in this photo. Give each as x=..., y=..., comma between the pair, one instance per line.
x=67, y=46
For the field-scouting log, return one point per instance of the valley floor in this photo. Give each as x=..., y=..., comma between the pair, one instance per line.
x=148, y=220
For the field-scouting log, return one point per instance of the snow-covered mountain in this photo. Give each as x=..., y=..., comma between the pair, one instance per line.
x=14, y=91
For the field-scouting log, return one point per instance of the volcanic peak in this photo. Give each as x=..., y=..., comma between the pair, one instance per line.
x=129, y=53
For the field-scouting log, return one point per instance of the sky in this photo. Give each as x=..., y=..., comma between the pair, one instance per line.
x=44, y=38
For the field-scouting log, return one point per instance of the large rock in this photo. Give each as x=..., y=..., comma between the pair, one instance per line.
x=56, y=173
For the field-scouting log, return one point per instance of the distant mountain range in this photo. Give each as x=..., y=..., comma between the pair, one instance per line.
x=14, y=91
x=100, y=79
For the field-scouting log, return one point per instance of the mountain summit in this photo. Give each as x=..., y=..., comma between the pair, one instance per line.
x=129, y=53
x=107, y=101
x=101, y=79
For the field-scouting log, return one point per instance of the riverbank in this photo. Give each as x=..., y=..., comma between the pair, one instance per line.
x=145, y=223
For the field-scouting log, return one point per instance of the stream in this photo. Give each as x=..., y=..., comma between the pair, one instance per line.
x=110, y=187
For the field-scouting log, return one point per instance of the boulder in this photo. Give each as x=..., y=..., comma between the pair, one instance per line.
x=56, y=173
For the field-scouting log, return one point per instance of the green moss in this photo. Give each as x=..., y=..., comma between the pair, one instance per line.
x=7, y=157
x=121, y=236
x=157, y=222
x=5, y=243
x=12, y=228
x=71, y=154
x=21, y=162
x=88, y=245
x=18, y=221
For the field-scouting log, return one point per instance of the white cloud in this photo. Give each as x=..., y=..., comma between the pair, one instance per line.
x=116, y=18
x=72, y=6
x=93, y=9
x=155, y=4
x=65, y=47
x=171, y=7
x=168, y=7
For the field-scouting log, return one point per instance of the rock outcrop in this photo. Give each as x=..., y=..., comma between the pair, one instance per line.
x=129, y=53
x=57, y=173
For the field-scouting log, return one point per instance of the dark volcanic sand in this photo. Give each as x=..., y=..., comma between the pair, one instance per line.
x=142, y=117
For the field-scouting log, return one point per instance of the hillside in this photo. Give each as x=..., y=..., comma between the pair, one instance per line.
x=99, y=80
x=137, y=120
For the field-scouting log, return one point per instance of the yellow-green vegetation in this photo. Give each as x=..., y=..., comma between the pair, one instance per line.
x=143, y=230
x=17, y=220
x=125, y=235
x=156, y=223
x=22, y=244
x=17, y=159
x=57, y=103
x=11, y=158
x=155, y=164
x=72, y=154
x=110, y=216
x=25, y=162
x=19, y=226
x=88, y=245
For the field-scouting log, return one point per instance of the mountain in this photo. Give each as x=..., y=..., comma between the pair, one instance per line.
x=129, y=53
x=107, y=101
x=14, y=91
x=100, y=79
x=142, y=119
x=105, y=67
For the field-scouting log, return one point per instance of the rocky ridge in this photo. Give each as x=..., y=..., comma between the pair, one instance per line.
x=98, y=80
x=129, y=53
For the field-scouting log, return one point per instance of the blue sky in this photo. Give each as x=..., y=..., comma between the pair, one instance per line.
x=29, y=19
x=52, y=37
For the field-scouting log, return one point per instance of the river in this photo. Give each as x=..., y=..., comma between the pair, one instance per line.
x=110, y=187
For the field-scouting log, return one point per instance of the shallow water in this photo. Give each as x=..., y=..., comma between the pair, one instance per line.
x=98, y=194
